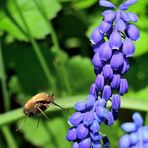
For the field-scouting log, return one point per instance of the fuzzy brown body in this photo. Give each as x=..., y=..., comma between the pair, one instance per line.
x=37, y=103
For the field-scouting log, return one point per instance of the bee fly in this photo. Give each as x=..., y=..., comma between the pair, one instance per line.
x=38, y=104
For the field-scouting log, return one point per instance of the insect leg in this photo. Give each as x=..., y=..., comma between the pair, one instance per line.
x=42, y=113
x=21, y=124
x=58, y=106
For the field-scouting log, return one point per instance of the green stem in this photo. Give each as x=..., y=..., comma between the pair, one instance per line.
x=5, y=130
x=17, y=114
x=8, y=136
x=37, y=49
x=54, y=38
x=3, y=82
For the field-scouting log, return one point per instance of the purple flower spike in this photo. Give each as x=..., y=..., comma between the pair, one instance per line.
x=123, y=86
x=71, y=134
x=130, y=2
x=132, y=17
x=120, y=25
x=99, y=82
x=129, y=127
x=75, y=145
x=93, y=90
x=124, y=141
x=117, y=60
x=137, y=120
x=115, y=40
x=80, y=106
x=133, y=32
x=95, y=127
x=115, y=83
x=125, y=66
x=116, y=102
x=105, y=26
x=107, y=72
x=123, y=7
x=105, y=52
x=109, y=15
x=75, y=118
x=128, y=48
x=88, y=118
x=97, y=62
x=82, y=131
x=110, y=119
x=106, y=3
x=106, y=93
x=96, y=36
x=86, y=143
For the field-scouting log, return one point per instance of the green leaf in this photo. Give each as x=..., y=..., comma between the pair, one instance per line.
x=83, y=4
x=35, y=21
x=81, y=75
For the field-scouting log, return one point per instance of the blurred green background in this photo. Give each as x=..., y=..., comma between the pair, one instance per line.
x=45, y=47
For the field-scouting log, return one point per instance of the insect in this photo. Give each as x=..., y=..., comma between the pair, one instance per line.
x=38, y=104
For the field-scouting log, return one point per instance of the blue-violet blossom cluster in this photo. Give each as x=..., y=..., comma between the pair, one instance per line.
x=113, y=46
x=138, y=134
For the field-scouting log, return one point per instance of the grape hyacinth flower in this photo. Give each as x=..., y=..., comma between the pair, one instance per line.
x=113, y=46
x=137, y=136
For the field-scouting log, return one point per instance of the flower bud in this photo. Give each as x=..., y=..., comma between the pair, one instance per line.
x=137, y=120
x=115, y=83
x=128, y=47
x=101, y=102
x=116, y=102
x=124, y=16
x=96, y=36
x=105, y=52
x=86, y=143
x=101, y=112
x=133, y=138
x=71, y=134
x=105, y=26
x=133, y=32
x=107, y=72
x=88, y=118
x=75, y=145
x=97, y=62
x=90, y=100
x=75, y=118
x=109, y=15
x=123, y=7
x=117, y=60
x=132, y=17
x=106, y=3
x=115, y=40
x=110, y=119
x=124, y=141
x=99, y=82
x=98, y=46
x=129, y=127
x=96, y=144
x=106, y=93
x=82, y=131
x=125, y=66
x=130, y=2
x=95, y=127
x=80, y=106
x=123, y=86
x=120, y=25
x=93, y=90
